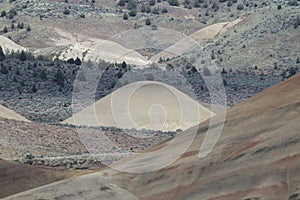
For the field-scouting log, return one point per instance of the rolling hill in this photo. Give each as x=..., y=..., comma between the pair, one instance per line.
x=256, y=157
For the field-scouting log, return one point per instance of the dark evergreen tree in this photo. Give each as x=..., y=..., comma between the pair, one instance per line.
x=124, y=65
x=2, y=55
x=77, y=61
x=71, y=61
x=34, y=89
x=23, y=56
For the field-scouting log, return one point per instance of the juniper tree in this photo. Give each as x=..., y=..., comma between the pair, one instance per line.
x=2, y=55
x=23, y=56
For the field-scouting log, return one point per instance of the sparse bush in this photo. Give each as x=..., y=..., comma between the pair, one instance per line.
x=164, y=10
x=132, y=13
x=240, y=6
x=173, y=2
x=125, y=16
x=121, y=3
x=152, y=2
x=297, y=22
x=155, y=11
x=279, y=7
x=148, y=9
x=197, y=4
x=131, y=5
x=3, y=13
x=229, y=3
x=213, y=56
x=215, y=6
x=66, y=11
x=143, y=8
x=20, y=25
x=293, y=3
x=5, y=30
x=292, y=71
x=148, y=21
x=12, y=13
x=28, y=28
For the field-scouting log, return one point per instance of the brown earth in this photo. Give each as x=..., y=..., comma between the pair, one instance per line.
x=15, y=177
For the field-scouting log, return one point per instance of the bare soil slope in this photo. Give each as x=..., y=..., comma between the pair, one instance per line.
x=132, y=107
x=15, y=177
x=10, y=114
x=8, y=45
x=256, y=157
x=193, y=40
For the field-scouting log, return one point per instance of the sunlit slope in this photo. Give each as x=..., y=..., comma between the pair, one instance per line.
x=146, y=104
x=10, y=114
x=9, y=46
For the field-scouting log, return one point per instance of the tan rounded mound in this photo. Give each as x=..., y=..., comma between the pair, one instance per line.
x=8, y=45
x=9, y=114
x=144, y=105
